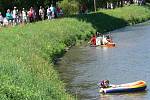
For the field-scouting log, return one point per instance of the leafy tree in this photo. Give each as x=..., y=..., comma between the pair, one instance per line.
x=69, y=6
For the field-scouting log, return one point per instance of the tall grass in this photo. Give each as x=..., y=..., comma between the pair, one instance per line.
x=27, y=55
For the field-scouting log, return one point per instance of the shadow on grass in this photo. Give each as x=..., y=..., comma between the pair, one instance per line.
x=102, y=22
x=147, y=5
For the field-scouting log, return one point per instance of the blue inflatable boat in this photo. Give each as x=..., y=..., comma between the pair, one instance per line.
x=129, y=87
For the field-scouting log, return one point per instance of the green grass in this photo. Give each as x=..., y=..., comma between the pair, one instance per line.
x=28, y=52
x=132, y=14
x=106, y=20
x=27, y=55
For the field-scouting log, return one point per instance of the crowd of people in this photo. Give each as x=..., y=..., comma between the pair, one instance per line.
x=119, y=3
x=15, y=16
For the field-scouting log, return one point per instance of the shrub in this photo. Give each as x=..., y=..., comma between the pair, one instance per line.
x=69, y=7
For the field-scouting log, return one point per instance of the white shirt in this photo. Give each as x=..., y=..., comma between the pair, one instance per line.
x=98, y=40
x=14, y=13
x=24, y=14
x=104, y=40
x=1, y=18
x=41, y=11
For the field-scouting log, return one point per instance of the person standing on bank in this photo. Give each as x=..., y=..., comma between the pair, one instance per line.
x=14, y=14
x=41, y=13
x=24, y=16
x=9, y=17
x=30, y=15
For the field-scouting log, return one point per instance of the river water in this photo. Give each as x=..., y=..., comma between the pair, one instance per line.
x=81, y=68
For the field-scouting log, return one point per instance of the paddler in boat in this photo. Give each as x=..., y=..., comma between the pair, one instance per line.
x=105, y=84
x=109, y=38
x=104, y=40
x=98, y=34
x=93, y=40
x=98, y=38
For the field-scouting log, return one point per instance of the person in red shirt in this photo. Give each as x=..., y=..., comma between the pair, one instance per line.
x=93, y=40
x=31, y=15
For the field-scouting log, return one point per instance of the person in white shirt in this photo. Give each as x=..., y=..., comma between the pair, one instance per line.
x=24, y=16
x=98, y=40
x=49, y=13
x=41, y=13
x=104, y=40
x=14, y=14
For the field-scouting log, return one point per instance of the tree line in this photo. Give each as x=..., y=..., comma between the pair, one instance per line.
x=69, y=6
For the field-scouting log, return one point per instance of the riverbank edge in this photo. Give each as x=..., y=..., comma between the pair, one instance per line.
x=108, y=20
x=36, y=54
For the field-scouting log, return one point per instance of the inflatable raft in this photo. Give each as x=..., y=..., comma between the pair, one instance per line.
x=109, y=45
x=129, y=87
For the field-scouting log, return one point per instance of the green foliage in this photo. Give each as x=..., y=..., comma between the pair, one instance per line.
x=69, y=7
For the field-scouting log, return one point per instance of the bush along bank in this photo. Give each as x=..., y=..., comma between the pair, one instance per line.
x=27, y=52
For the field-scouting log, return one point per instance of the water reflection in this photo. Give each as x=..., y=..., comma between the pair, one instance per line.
x=83, y=67
x=124, y=96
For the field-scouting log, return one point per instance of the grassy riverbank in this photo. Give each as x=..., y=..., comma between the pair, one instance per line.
x=132, y=14
x=28, y=52
x=107, y=20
